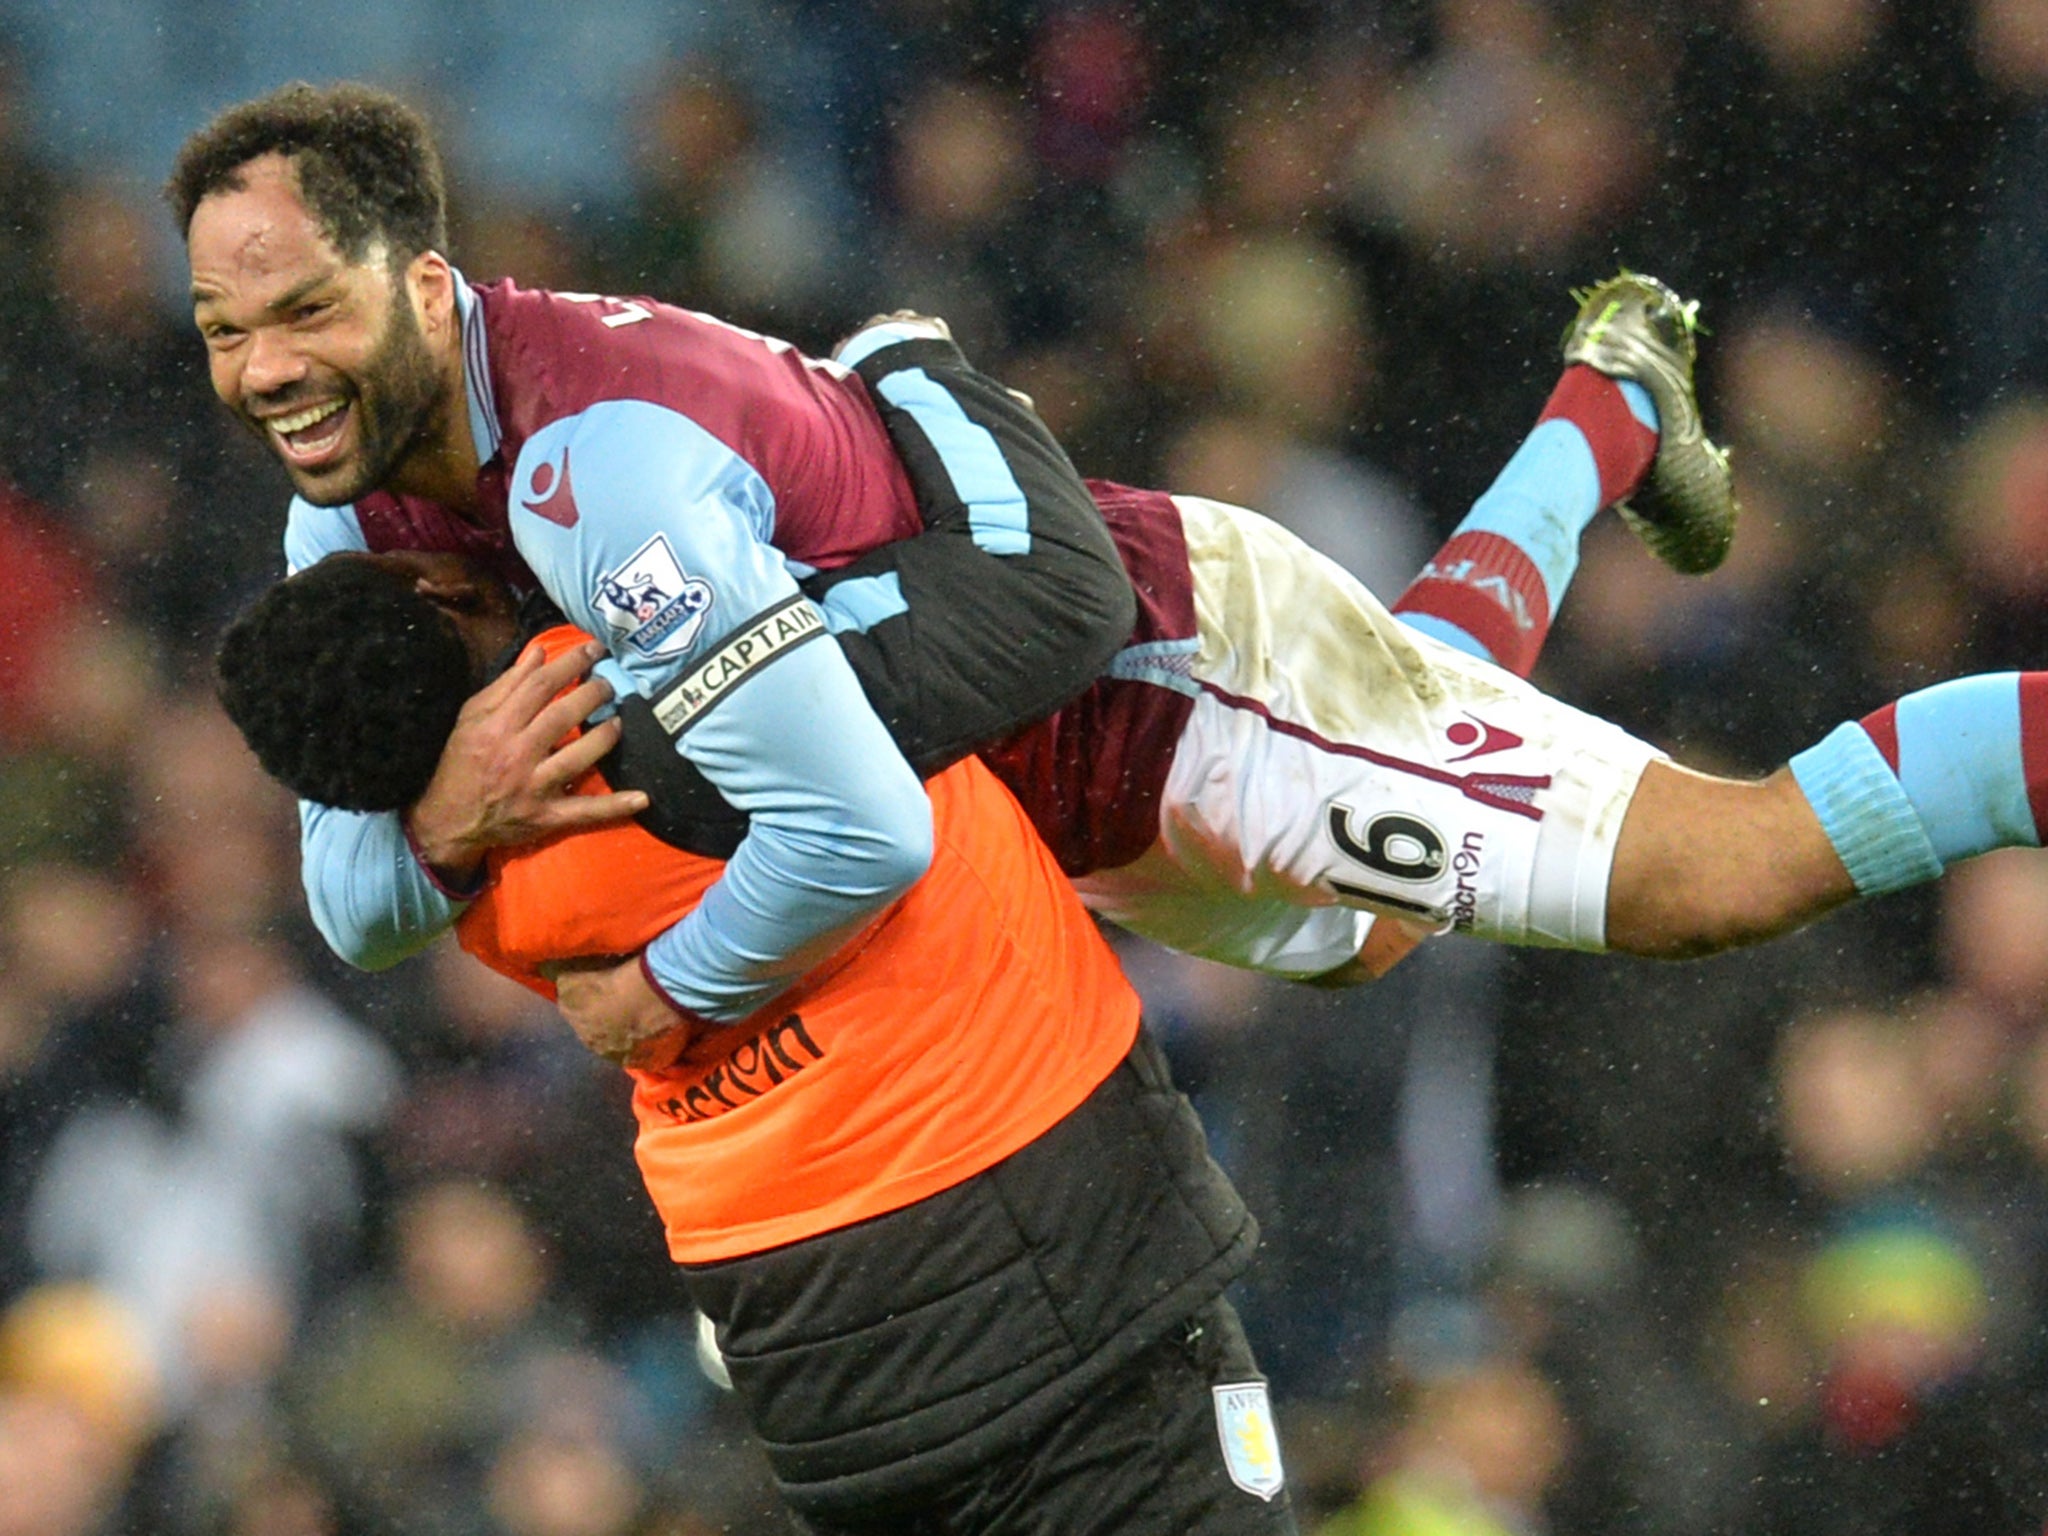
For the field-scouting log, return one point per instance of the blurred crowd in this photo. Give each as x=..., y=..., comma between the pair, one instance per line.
x=1553, y=1242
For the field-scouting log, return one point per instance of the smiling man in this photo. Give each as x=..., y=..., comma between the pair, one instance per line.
x=324, y=356
x=633, y=460
x=1267, y=757
x=668, y=479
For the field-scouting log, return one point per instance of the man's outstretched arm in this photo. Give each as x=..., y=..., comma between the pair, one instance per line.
x=668, y=561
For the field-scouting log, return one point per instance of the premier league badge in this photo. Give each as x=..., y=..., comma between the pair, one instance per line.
x=650, y=603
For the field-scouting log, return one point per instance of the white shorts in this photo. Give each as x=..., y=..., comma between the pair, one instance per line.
x=1340, y=765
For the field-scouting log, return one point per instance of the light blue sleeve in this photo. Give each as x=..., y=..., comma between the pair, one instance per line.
x=370, y=899
x=313, y=533
x=651, y=534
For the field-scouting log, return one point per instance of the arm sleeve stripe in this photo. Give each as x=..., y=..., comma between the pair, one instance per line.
x=997, y=514
x=861, y=602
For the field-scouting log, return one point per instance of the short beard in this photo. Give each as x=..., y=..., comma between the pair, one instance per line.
x=396, y=399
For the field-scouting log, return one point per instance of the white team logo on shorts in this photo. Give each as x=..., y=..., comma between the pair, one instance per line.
x=1251, y=1449
x=651, y=602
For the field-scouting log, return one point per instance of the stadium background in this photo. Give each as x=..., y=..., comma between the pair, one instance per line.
x=1553, y=1242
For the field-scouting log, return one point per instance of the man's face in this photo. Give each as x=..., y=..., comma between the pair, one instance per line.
x=323, y=359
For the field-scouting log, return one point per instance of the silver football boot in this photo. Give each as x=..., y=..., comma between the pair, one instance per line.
x=1634, y=327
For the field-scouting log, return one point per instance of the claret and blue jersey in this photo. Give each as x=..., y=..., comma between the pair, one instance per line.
x=665, y=478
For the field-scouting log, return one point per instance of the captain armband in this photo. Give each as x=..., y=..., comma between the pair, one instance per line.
x=774, y=633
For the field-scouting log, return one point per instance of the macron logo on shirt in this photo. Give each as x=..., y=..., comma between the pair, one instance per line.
x=556, y=501
x=1488, y=738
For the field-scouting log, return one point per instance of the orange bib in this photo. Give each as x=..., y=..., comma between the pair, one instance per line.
x=976, y=1013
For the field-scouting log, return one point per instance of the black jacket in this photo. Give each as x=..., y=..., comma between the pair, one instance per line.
x=881, y=1361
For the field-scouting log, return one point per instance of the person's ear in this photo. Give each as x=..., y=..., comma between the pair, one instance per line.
x=431, y=283
x=459, y=594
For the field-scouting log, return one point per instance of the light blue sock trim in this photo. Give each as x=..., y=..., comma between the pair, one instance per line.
x=1865, y=812
x=1640, y=405
x=1443, y=629
x=1541, y=502
x=1960, y=763
x=998, y=518
x=861, y=602
x=1163, y=663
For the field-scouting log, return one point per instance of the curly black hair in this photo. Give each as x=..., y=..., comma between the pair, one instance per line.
x=367, y=166
x=345, y=682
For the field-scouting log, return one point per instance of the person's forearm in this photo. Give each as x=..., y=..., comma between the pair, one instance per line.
x=370, y=897
x=840, y=828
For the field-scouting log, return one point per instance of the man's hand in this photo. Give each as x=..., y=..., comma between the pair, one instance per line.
x=616, y=1012
x=503, y=780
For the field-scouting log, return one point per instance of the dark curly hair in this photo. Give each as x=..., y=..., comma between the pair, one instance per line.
x=366, y=163
x=345, y=682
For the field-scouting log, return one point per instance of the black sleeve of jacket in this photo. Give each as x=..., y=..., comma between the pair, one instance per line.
x=988, y=643
x=684, y=809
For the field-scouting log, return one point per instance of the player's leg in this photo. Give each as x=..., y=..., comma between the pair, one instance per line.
x=1883, y=803
x=1337, y=763
x=1462, y=799
x=1621, y=429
